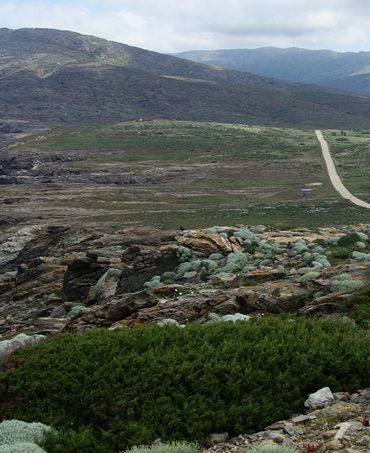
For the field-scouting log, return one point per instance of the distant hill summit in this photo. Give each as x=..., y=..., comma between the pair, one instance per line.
x=345, y=70
x=52, y=77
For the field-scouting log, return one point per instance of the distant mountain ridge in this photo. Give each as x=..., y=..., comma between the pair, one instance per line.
x=52, y=77
x=344, y=70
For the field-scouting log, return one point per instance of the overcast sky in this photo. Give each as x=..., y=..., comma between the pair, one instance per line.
x=176, y=25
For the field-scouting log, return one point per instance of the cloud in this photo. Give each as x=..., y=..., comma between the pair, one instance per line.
x=168, y=25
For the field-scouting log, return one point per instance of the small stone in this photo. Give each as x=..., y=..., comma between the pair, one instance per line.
x=334, y=445
x=276, y=426
x=342, y=429
x=190, y=275
x=362, y=397
x=303, y=418
x=329, y=434
x=218, y=438
x=276, y=437
x=292, y=430
x=364, y=442
x=344, y=416
x=356, y=427
x=342, y=396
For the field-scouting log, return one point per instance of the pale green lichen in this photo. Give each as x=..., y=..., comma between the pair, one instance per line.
x=17, y=436
x=309, y=277
x=359, y=256
x=345, y=283
x=236, y=262
x=22, y=447
x=153, y=283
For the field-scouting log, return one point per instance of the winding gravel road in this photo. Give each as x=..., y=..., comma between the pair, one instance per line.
x=334, y=177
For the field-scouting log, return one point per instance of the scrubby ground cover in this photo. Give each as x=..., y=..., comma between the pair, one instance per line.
x=351, y=152
x=171, y=173
x=176, y=140
x=117, y=389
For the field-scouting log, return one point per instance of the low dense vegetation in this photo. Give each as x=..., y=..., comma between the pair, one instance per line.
x=110, y=390
x=351, y=150
x=361, y=307
x=177, y=140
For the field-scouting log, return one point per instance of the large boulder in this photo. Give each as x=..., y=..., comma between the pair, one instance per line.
x=319, y=399
x=281, y=296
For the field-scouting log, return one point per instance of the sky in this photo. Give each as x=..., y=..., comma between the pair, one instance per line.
x=178, y=25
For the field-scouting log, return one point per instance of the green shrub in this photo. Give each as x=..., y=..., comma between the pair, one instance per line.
x=184, y=254
x=183, y=269
x=168, y=277
x=359, y=256
x=349, y=239
x=236, y=262
x=360, y=245
x=309, y=277
x=178, y=447
x=344, y=283
x=210, y=231
x=153, y=283
x=69, y=441
x=361, y=307
x=132, y=386
x=340, y=253
x=245, y=235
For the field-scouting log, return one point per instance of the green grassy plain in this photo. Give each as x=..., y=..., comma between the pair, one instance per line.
x=190, y=174
x=351, y=153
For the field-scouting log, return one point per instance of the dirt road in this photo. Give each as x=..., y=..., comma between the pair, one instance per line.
x=334, y=177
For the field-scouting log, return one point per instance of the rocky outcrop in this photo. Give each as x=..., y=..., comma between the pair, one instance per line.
x=57, y=278
x=153, y=306
x=13, y=245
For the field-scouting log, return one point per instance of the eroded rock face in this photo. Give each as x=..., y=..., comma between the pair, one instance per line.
x=14, y=244
x=151, y=307
x=56, y=278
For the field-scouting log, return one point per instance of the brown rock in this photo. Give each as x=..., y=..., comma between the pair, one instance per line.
x=208, y=243
x=268, y=300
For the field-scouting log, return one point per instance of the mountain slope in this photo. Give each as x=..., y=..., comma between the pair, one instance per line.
x=349, y=70
x=52, y=77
